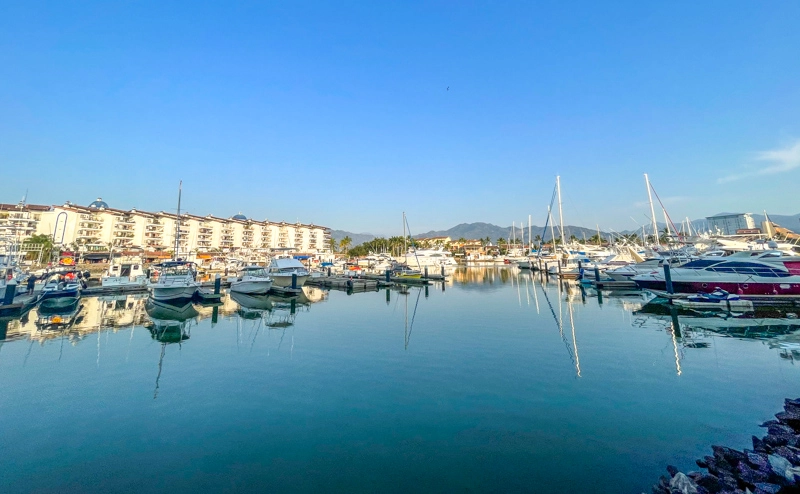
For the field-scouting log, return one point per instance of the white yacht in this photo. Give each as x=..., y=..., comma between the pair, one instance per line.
x=252, y=280
x=124, y=273
x=282, y=269
x=173, y=280
x=432, y=257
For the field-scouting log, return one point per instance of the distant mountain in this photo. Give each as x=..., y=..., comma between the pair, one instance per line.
x=483, y=230
x=358, y=238
x=471, y=231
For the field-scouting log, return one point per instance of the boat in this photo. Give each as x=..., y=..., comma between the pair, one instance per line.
x=57, y=305
x=718, y=299
x=252, y=280
x=62, y=284
x=283, y=270
x=173, y=281
x=125, y=272
x=433, y=257
x=176, y=280
x=747, y=274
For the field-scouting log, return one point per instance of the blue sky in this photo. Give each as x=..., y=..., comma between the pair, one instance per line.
x=340, y=114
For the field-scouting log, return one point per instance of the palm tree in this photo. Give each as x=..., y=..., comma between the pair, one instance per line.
x=332, y=245
x=345, y=243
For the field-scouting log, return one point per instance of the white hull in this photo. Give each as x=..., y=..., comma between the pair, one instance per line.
x=285, y=280
x=123, y=281
x=165, y=293
x=252, y=287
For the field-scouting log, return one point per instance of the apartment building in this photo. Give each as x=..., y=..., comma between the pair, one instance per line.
x=99, y=228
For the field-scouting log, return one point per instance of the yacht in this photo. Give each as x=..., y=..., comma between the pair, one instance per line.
x=252, y=280
x=282, y=269
x=754, y=273
x=173, y=280
x=432, y=257
x=124, y=273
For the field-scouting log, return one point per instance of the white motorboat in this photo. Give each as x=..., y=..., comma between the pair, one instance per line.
x=435, y=258
x=252, y=280
x=173, y=280
x=281, y=270
x=124, y=272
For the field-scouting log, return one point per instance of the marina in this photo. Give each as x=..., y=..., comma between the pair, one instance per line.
x=489, y=349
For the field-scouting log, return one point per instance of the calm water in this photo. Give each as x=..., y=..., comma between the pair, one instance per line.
x=496, y=383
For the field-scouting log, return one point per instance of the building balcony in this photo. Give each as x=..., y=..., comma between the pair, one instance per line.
x=123, y=234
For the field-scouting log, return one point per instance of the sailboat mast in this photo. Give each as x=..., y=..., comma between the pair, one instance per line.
x=552, y=230
x=405, y=247
x=652, y=210
x=178, y=222
x=560, y=212
x=530, y=237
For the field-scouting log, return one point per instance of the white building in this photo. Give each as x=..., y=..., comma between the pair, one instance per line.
x=728, y=224
x=98, y=228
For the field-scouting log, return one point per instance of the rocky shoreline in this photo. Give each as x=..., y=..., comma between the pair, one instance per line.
x=771, y=467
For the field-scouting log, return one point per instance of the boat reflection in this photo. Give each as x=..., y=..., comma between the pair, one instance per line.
x=169, y=323
x=690, y=328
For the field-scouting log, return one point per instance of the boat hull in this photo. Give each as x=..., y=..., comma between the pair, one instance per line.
x=253, y=287
x=172, y=293
x=285, y=280
x=67, y=292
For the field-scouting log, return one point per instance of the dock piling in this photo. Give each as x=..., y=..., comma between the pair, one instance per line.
x=217, y=283
x=388, y=276
x=11, y=292
x=668, y=278
x=426, y=271
x=442, y=271
x=294, y=281
x=596, y=273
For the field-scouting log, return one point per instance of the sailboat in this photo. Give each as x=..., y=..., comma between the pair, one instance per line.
x=404, y=271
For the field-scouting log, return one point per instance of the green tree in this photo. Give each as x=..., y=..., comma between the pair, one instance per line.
x=344, y=243
x=47, y=248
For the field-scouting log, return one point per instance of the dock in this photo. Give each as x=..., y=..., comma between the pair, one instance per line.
x=614, y=285
x=341, y=283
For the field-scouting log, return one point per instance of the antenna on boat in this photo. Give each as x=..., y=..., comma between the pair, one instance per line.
x=178, y=223
x=652, y=210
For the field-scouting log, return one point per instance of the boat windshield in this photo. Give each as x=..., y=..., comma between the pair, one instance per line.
x=176, y=270
x=257, y=272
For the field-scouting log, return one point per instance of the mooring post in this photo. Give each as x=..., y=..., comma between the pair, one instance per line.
x=329, y=271
x=596, y=273
x=668, y=278
x=294, y=281
x=388, y=275
x=426, y=271
x=580, y=270
x=442, y=271
x=217, y=283
x=11, y=292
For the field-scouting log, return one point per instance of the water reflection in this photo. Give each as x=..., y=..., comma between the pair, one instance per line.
x=694, y=329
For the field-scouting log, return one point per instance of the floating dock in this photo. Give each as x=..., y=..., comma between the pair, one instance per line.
x=354, y=284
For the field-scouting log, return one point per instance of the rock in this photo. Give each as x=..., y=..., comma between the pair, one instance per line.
x=709, y=482
x=769, y=423
x=775, y=441
x=788, y=454
x=759, y=461
x=750, y=476
x=765, y=488
x=758, y=445
x=672, y=470
x=731, y=456
x=780, y=465
x=780, y=430
x=681, y=484
x=703, y=463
